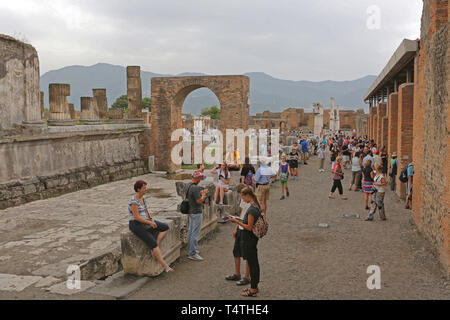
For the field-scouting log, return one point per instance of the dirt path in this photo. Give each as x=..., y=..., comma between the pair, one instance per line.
x=299, y=260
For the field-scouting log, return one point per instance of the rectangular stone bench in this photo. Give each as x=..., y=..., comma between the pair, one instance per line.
x=137, y=258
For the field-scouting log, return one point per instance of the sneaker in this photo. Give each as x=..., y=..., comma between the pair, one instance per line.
x=282, y=198
x=234, y=277
x=287, y=194
x=243, y=282
x=196, y=257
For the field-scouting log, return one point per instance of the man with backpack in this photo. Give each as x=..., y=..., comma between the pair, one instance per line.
x=406, y=176
x=195, y=197
x=409, y=186
x=393, y=171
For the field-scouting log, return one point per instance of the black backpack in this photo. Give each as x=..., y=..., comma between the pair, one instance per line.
x=184, y=207
x=404, y=176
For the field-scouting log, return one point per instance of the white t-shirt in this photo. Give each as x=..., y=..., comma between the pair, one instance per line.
x=220, y=183
x=377, y=179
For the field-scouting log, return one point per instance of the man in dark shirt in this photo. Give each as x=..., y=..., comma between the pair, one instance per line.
x=195, y=196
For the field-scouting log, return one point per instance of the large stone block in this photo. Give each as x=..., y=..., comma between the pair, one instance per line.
x=137, y=258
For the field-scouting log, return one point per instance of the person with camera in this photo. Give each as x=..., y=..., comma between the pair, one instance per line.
x=338, y=176
x=378, y=195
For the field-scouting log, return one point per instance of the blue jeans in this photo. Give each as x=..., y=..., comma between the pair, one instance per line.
x=195, y=226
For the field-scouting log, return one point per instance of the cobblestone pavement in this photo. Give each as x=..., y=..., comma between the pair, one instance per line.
x=39, y=240
x=298, y=259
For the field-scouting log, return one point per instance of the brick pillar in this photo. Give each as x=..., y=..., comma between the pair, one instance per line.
x=375, y=127
x=59, y=108
x=381, y=113
x=384, y=132
x=102, y=102
x=405, y=130
x=89, y=111
x=368, y=122
x=372, y=123
x=134, y=93
x=392, y=123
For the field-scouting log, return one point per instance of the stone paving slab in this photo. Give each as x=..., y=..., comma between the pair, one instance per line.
x=62, y=289
x=120, y=285
x=43, y=238
x=10, y=282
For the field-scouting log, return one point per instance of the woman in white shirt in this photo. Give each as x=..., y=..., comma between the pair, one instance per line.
x=223, y=182
x=378, y=196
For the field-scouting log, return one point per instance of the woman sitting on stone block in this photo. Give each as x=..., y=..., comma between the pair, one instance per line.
x=150, y=231
x=223, y=182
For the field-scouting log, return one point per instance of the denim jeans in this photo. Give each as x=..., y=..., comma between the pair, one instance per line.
x=195, y=226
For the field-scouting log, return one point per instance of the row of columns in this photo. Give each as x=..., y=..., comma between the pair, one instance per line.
x=390, y=125
x=94, y=108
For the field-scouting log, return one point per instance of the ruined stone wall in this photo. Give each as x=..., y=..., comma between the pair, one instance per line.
x=62, y=160
x=19, y=84
x=431, y=154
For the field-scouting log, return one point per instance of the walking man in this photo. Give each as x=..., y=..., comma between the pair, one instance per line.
x=262, y=178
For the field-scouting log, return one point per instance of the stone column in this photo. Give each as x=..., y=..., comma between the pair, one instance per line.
x=42, y=103
x=89, y=111
x=134, y=93
x=393, y=123
x=72, y=111
x=102, y=102
x=59, y=108
x=405, y=130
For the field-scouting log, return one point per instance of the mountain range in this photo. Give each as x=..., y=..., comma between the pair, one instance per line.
x=266, y=92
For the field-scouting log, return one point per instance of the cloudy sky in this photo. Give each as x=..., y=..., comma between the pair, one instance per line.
x=295, y=40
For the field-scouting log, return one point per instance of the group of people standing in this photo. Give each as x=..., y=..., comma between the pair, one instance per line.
x=369, y=166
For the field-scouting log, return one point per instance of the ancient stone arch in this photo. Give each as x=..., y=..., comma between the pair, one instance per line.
x=168, y=96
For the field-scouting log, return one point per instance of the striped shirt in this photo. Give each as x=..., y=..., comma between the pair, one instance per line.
x=141, y=207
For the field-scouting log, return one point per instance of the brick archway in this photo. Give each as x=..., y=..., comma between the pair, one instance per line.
x=168, y=96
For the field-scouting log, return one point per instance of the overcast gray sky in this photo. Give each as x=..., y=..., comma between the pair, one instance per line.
x=296, y=40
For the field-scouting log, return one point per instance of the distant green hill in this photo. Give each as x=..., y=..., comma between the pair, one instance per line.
x=266, y=92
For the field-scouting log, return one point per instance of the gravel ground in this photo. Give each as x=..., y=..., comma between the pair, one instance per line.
x=299, y=260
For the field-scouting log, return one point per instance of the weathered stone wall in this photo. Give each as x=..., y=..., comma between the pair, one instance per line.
x=61, y=160
x=19, y=84
x=431, y=154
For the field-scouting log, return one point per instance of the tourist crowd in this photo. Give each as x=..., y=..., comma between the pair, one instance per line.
x=370, y=168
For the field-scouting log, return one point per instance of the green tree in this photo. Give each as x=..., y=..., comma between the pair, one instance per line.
x=121, y=103
x=213, y=112
x=147, y=104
